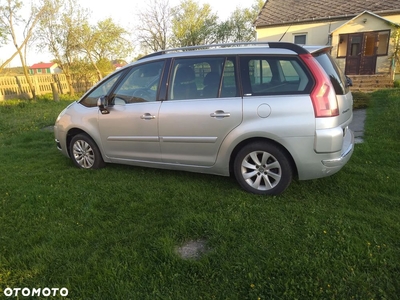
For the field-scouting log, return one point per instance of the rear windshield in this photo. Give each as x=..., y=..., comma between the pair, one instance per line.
x=336, y=76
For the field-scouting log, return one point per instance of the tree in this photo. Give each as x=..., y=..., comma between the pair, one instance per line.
x=193, y=25
x=155, y=26
x=84, y=72
x=59, y=31
x=3, y=37
x=240, y=26
x=104, y=42
x=395, y=58
x=9, y=18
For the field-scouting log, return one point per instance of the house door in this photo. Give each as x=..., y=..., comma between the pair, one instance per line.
x=361, y=54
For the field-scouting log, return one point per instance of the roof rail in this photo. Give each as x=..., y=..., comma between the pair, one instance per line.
x=290, y=46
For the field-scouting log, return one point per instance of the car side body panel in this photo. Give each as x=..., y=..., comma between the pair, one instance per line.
x=130, y=132
x=192, y=131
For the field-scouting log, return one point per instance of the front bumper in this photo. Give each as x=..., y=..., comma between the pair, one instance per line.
x=60, y=139
x=58, y=144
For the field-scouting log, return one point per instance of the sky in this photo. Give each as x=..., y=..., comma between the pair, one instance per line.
x=123, y=13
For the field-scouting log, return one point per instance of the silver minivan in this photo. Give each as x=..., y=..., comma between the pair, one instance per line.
x=264, y=112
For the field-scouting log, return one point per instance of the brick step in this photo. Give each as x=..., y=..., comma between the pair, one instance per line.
x=376, y=84
x=373, y=81
x=367, y=89
x=370, y=83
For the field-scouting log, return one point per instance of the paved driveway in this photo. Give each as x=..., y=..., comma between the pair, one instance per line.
x=357, y=125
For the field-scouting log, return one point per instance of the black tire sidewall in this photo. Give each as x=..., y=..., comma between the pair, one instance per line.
x=98, y=159
x=281, y=157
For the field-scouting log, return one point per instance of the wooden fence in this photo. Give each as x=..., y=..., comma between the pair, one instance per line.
x=17, y=87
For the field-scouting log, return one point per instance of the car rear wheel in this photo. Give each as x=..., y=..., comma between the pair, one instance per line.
x=263, y=168
x=84, y=152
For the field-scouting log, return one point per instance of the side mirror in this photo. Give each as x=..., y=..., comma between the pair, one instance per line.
x=102, y=105
x=349, y=82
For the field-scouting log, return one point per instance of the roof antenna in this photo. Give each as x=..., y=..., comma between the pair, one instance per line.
x=285, y=32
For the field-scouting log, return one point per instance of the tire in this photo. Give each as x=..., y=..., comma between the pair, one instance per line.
x=263, y=168
x=84, y=152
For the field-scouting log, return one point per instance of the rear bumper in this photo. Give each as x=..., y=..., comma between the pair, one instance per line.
x=346, y=152
x=319, y=165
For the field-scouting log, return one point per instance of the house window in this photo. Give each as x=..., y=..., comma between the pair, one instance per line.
x=39, y=71
x=369, y=45
x=383, y=42
x=300, y=39
x=367, y=42
x=342, y=48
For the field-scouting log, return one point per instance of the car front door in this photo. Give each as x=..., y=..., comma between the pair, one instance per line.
x=201, y=110
x=129, y=132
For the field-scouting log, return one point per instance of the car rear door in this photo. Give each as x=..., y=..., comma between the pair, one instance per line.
x=199, y=114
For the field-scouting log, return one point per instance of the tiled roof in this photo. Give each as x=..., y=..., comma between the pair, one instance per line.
x=277, y=12
x=42, y=65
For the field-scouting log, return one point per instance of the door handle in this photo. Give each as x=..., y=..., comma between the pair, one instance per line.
x=147, y=116
x=220, y=114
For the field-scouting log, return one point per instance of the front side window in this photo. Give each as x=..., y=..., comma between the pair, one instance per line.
x=101, y=90
x=140, y=84
x=271, y=75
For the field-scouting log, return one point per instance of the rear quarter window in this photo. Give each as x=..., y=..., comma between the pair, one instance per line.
x=271, y=75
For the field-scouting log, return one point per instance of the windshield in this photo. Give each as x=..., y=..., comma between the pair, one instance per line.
x=337, y=77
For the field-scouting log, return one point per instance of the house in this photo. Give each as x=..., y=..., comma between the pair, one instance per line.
x=44, y=68
x=359, y=31
x=118, y=63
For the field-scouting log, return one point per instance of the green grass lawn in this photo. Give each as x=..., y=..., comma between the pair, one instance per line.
x=113, y=233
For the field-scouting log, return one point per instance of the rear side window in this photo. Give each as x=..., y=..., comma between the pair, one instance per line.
x=264, y=75
x=203, y=78
x=336, y=76
x=191, y=78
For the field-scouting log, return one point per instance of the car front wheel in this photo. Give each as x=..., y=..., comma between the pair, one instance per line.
x=263, y=168
x=85, y=153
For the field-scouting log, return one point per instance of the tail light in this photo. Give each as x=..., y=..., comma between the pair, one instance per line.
x=323, y=95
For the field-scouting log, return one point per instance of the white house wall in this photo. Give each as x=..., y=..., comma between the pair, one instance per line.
x=317, y=33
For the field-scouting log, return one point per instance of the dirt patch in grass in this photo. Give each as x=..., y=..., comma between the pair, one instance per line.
x=48, y=128
x=192, y=249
